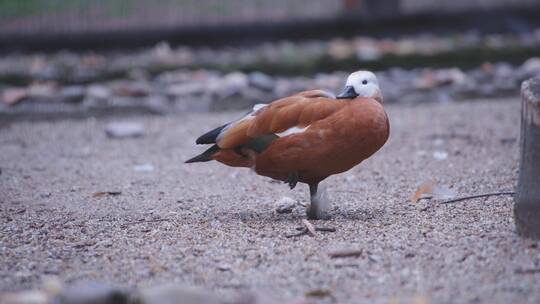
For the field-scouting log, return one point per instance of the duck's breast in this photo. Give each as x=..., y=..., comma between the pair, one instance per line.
x=331, y=145
x=352, y=136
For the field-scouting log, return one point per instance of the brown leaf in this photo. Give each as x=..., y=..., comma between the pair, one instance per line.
x=319, y=293
x=431, y=190
x=106, y=193
x=423, y=190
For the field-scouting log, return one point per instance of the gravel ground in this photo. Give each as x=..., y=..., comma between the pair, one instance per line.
x=216, y=227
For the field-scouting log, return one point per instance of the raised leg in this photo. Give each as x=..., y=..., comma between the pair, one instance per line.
x=318, y=208
x=292, y=180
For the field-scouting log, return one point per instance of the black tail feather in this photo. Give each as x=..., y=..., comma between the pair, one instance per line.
x=210, y=137
x=205, y=156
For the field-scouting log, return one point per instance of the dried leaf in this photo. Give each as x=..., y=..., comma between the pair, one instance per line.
x=319, y=293
x=106, y=193
x=431, y=190
x=423, y=191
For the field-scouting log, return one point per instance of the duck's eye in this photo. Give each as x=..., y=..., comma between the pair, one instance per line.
x=364, y=81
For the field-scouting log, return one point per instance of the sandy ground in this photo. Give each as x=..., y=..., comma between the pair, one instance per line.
x=212, y=226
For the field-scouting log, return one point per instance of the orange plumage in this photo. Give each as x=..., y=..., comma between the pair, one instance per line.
x=305, y=137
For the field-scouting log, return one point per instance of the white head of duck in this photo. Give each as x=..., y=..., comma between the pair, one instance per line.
x=361, y=84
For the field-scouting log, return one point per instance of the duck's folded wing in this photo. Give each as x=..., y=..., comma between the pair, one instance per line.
x=212, y=137
x=294, y=113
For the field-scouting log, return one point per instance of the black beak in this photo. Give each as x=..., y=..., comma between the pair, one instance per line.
x=347, y=93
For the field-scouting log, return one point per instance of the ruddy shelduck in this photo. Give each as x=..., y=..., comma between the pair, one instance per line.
x=305, y=137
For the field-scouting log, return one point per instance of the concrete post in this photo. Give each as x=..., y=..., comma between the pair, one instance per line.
x=527, y=199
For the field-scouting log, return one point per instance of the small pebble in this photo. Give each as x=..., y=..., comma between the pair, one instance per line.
x=124, y=129
x=45, y=195
x=92, y=292
x=224, y=267
x=143, y=168
x=176, y=294
x=285, y=205
x=440, y=155
x=97, y=91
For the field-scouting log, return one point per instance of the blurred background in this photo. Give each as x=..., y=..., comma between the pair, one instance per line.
x=110, y=199
x=82, y=57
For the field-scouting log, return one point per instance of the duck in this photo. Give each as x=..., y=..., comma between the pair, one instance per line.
x=305, y=137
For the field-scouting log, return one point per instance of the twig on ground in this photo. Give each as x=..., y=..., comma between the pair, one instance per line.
x=309, y=226
x=106, y=193
x=324, y=229
x=478, y=196
x=346, y=253
x=424, y=198
x=348, y=191
x=527, y=271
x=146, y=221
x=304, y=230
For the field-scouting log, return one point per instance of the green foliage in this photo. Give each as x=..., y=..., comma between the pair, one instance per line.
x=21, y=8
x=111, y=8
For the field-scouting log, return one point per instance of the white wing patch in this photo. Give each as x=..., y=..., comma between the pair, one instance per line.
x=258, y=106
x=290, y=131
x=328, y=94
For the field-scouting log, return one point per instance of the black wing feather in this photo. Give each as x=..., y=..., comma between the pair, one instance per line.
x=205, y=156
x=210, y=137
